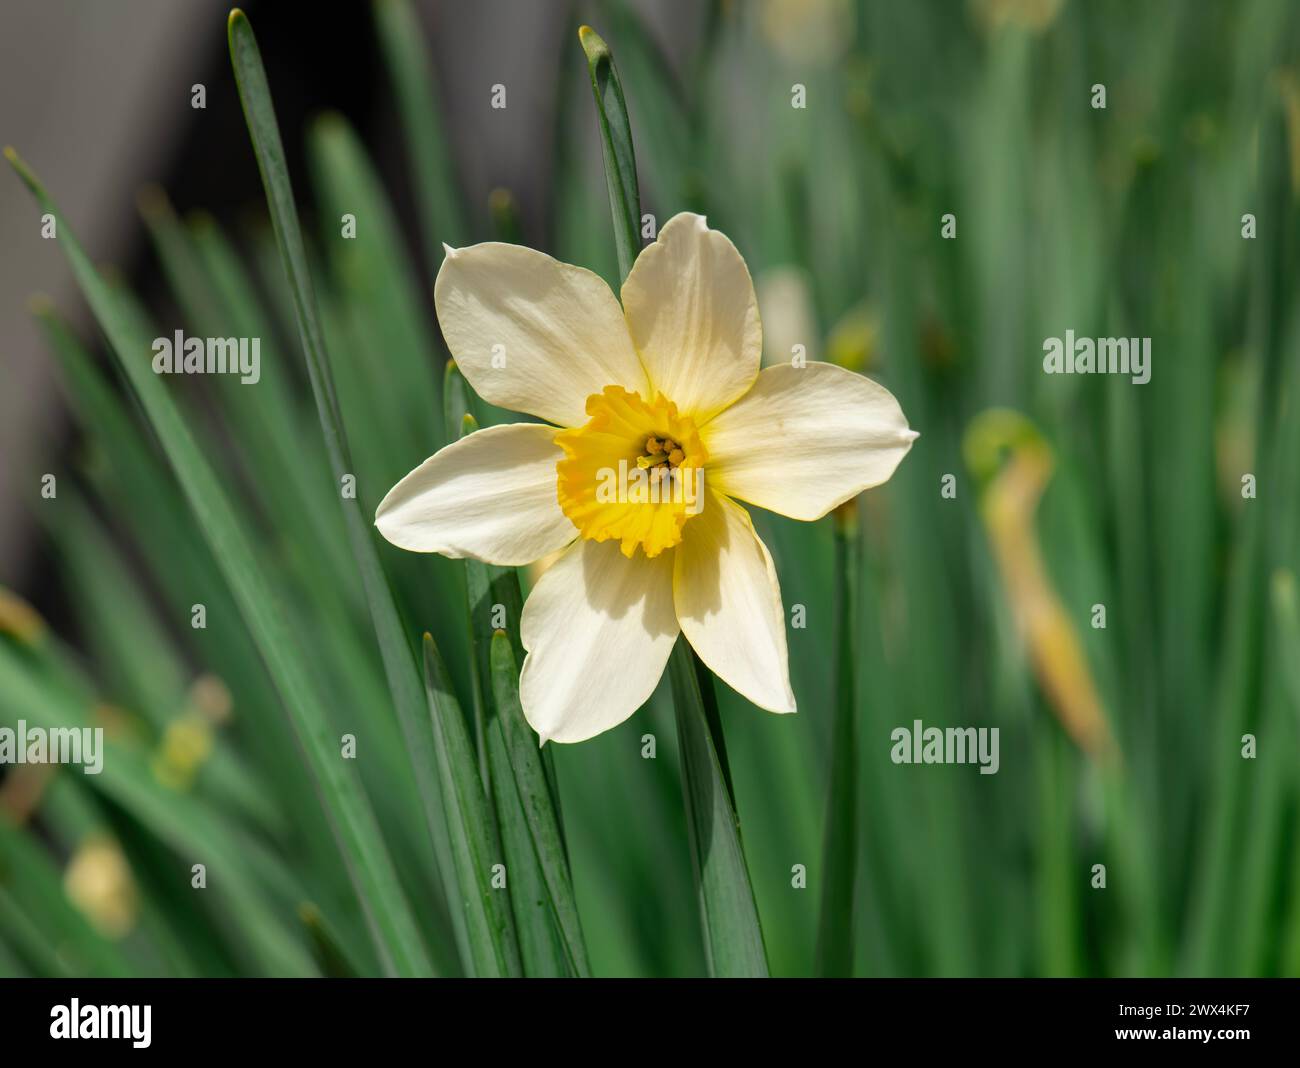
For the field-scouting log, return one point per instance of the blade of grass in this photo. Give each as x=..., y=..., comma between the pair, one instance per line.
x=484, y=924
x=542, y=950
x=616, y=143
x=392, y=925
x=541, y=944
x=733, y=939
x=407, y=62
x=534, y=792
x=396, y=651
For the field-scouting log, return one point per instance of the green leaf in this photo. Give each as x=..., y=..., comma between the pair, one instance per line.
x=488, y=933
x=733, y=938
x=535, y=795
x=840, y=855
x=407, y=61
x=541, y=943
x=399, y=667
x=392, y=924
x=479, y=578
x=616, y=142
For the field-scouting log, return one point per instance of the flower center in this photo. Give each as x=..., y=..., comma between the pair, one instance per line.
x=634, y=471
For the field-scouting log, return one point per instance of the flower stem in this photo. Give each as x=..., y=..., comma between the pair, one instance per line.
x=839, y=860
x=733, y=939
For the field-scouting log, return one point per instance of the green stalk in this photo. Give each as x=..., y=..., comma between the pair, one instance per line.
x=733, y=937
x=542, y=944
x=733, y=940
x=525, y=762
x=839, y=858
x=407, y=61
x=487, y=932
x=399, y=665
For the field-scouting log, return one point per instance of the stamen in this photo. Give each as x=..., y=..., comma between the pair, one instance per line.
x=661, y=453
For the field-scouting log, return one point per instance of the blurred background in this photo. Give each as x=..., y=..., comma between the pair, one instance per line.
x=1144, y=816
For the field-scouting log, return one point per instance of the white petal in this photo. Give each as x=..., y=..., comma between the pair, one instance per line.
x=533, y=334
x=729, y=604
x=691, y=308
x=806, y=439
x=598, y=628
x=490, y=496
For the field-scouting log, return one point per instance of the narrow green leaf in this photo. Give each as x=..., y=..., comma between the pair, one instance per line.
x=733, y=938
x=542, y=950
x=616, y=142
x=369, y=864
x=394, y=647
x=407, y=61
x=840, y=856
x=535, y=794
x=479, y=578
x=541, y=942
x=488, y=931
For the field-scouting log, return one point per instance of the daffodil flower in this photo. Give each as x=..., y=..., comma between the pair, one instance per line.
x=667, y=384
